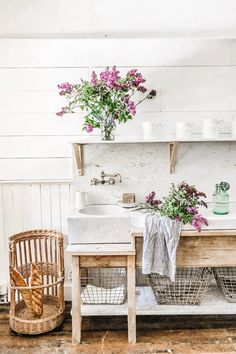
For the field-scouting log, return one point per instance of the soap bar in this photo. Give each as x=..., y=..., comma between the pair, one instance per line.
x=128, y=198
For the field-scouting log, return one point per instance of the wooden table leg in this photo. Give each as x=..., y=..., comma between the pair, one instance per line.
x=76, y=307
x=131, y=299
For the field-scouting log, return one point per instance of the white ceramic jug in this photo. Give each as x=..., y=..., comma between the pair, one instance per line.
x=183, y=130
x=210, y=128
x=150, y=130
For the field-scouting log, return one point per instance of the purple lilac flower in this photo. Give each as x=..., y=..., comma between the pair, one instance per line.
x=142, y=89
x=131, y=107
x=62, y=112
x=138, y=80
x=199, y=220
x=89, y=128
x=152, y=94
x=150, y=197
x=65, y=88
x=110, y=77
x=132, y=72
x=93, y=79
x=192, y=210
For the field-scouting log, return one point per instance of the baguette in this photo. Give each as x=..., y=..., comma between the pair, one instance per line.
x=18, y=280
x=37, y=294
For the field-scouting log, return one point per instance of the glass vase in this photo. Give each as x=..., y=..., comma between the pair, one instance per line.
x=107, y=130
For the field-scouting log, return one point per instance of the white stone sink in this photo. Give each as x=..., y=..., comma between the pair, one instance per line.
x=112, y=224
x=99, y=224
x=223, y=222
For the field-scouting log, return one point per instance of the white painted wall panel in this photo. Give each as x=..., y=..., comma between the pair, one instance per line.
x=35, y=169
x=195, y=89
x=86, y=18
x=40, y=124
x=35, y=147
x=79, y=53
x=31, y=79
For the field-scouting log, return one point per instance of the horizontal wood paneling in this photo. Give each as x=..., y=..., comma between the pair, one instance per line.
x=31, y=79
x=36, y=169
x=35, y=147
x=122, y=52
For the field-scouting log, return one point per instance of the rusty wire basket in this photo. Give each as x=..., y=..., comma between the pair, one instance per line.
x=43, y=248
x=103, y=285
x=188, y=288
x=226, y=280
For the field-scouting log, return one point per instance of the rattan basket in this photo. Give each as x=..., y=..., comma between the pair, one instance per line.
x=103, y=285
x=188, y=288
x=226, y=280
x=45, y=249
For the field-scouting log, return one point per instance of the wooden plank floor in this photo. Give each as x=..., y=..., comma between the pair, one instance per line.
x=189, y=335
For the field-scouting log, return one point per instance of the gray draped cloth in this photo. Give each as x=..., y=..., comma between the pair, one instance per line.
x=161, y=239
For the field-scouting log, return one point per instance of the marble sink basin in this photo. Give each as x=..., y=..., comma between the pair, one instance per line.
x=99, y=224
x=223, y=222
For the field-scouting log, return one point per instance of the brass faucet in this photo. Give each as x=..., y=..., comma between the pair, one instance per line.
x=103, y=180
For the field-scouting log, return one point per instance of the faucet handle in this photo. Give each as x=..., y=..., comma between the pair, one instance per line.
x=94, y=181
x=111, y=181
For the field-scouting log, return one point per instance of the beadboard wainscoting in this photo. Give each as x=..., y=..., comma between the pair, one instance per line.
x=28, y=206
x=195, y=79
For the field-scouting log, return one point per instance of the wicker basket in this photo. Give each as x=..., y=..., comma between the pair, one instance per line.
x=103, y=285
x=226, y=280
x=188, y=288
x=45, y=249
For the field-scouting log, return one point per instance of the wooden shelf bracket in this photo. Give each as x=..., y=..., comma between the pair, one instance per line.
x=173, y=154
x=78, y=150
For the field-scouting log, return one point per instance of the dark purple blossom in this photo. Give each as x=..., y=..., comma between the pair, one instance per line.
x=62, y=112
x=132, y=72
x=150, y=200
x=142, y=89
x=152, y=94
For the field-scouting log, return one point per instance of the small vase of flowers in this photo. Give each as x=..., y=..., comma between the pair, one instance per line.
x=107, y=99
x=182, y=203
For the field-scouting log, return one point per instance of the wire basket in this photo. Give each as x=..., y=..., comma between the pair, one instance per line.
x=226, y=280
x=188, y=288
x=103, y=285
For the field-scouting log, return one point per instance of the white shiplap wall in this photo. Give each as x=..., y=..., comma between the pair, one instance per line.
x=195, y=78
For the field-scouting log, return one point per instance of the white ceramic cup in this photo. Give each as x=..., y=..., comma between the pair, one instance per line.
x=183, y=130
x=80, y=199
x=149, y=130
x=210, y=128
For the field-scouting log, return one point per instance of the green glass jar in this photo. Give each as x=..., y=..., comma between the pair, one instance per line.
x=221, y=199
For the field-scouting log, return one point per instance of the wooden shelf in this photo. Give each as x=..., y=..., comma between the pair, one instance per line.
x=213, y=304
x=136, y=139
